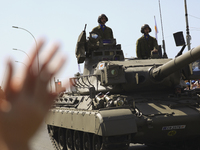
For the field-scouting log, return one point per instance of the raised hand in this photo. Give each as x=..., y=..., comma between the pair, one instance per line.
x=24, y=108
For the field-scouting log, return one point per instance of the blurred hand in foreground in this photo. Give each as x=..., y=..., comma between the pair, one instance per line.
x=24, y=108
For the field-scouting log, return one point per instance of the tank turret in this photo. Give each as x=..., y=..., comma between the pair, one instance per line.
x=133, y=74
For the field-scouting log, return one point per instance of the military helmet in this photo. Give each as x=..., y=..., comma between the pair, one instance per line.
x=99, y=18
x=145, y=26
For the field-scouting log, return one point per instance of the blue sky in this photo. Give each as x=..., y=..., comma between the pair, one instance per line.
x=63, y=21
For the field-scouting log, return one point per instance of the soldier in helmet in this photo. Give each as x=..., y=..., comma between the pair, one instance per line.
x=102, y=30
x=146, y=45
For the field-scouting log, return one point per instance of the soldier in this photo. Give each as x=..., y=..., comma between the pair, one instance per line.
x=102, y=30
x=146, y=45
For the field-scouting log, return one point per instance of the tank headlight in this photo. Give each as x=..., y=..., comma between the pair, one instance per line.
x=114, y=72
x=119, y=102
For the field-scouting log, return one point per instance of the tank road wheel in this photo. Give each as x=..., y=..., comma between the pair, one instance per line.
x=96, y=142
x=87, y=141
x=61, y=139
x=77, y=140
x=69, y=139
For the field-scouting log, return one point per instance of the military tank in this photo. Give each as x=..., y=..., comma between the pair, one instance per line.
x=118, y=101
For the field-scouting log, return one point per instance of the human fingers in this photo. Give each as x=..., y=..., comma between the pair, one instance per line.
x=5, y=106
x=43, y=79
x=52, y=96
x=59, y=66
x=9, y=93
x=54, y=48
x=30, y=75
x=45, y=76
x=35, y=53
x=66, y=84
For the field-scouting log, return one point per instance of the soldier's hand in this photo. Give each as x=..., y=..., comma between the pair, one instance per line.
x=25, y=106
x=155, y=50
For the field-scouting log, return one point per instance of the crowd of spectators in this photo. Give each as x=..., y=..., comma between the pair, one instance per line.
x=193, y=84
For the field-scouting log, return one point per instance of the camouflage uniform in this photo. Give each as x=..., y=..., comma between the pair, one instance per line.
x=145, y=46
x=106, y=34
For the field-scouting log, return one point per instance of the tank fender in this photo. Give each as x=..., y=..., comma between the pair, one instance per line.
x=109, y=122
x=72, y=119
x=115, y=122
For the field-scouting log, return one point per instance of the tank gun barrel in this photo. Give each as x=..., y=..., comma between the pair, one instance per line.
x=176, y=64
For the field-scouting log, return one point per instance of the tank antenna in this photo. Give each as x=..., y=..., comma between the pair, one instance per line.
x=188, y=37
x=163, y=41
x=85, y=27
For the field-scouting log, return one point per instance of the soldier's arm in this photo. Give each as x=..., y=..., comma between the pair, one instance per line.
x=155, y=43
x=93, y=29
x=138, y=49
x=111, y=33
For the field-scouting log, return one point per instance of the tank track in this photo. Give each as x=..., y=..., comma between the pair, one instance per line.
x=107, y=143
x=52, y=138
